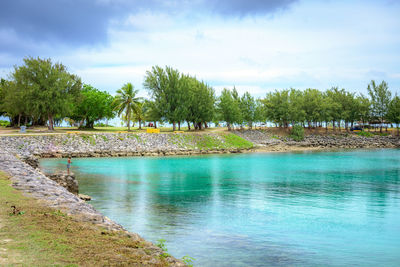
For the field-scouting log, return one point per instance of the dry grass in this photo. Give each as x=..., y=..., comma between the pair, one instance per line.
x=33, y=235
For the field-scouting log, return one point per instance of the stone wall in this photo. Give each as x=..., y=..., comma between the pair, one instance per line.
x=109, y=145
x=265, y=139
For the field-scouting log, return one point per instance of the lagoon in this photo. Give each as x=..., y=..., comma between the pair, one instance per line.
x=260, y=209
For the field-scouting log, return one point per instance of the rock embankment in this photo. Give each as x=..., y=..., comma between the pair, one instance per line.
x=115, y=145
x=266, y=139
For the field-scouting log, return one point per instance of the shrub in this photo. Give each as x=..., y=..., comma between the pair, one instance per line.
x=4, y=123
x=100, y=124
x=365, y=134
x=297, y=133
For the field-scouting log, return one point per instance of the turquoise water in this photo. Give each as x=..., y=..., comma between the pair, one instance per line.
x=294, y=209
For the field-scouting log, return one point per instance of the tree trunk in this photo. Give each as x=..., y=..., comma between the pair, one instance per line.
x=229, y=126
x=129, y=119
x=19, y=120
x=140, y=124
x=179, y=125
x=51, y=122
x=334, y=125
x=205, y=125
x=188, y=123
x=173, y=126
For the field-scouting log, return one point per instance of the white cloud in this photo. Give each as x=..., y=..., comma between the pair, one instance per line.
x=315, y=44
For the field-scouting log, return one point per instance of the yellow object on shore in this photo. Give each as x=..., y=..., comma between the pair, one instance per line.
x=152, y=130
x=73, y=132
x=178, y=131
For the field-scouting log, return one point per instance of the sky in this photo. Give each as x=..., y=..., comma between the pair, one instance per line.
x=256, y=46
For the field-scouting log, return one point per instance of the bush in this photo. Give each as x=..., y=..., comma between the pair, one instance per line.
x=4, y=123
x=100, y=124
x=297, y=133
x=365, y=134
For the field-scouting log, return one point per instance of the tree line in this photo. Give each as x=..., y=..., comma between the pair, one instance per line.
x=42, y=92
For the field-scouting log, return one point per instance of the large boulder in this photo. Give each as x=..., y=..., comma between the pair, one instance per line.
x=68, y=181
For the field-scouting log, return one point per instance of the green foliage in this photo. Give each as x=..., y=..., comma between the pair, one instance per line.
x=247, y=106
x=393, y=113
x=101, y=124
x=365, y=134
x=4, y=123
x=152, y=113
x=88, y=138
x=40, y=88
x=161, y=244
x=380, y=99
x=139, y=113
x=297, y=133
x=178, y=98
x=127, y=101
x=209, y=142
x=93, y=105
x=228, y=108
x=233, y=140
x=188, y=260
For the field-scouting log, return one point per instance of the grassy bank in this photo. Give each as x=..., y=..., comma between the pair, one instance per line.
x=32, y=235
x=210, y=142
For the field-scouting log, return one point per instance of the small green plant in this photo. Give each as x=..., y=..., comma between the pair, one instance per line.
x=161, y=244
x=59, y=213
x=89, y=138
x=188, y=260
x=383, y=134
x=297, y=133
x=137, y=137
x=104, y=138
x=16, y=211
x=365, y=134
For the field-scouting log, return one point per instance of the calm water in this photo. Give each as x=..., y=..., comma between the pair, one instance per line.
x=305, y=209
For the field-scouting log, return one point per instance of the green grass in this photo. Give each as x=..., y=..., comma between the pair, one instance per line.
x=137, y=137
x=88, y=138
x=365, y=134
x=237, y=141
x=210, y=142
x=41, y=236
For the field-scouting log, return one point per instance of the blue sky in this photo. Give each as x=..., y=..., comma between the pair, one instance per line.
x=257, y=46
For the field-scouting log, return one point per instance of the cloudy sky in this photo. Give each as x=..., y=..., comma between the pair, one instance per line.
x=257, y=46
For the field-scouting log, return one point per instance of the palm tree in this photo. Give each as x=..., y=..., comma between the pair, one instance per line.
x=127, y=101
x=139, y=113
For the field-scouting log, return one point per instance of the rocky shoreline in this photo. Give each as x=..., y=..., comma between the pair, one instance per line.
x=21, y=165
x=264, y=139
x=19, y=159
